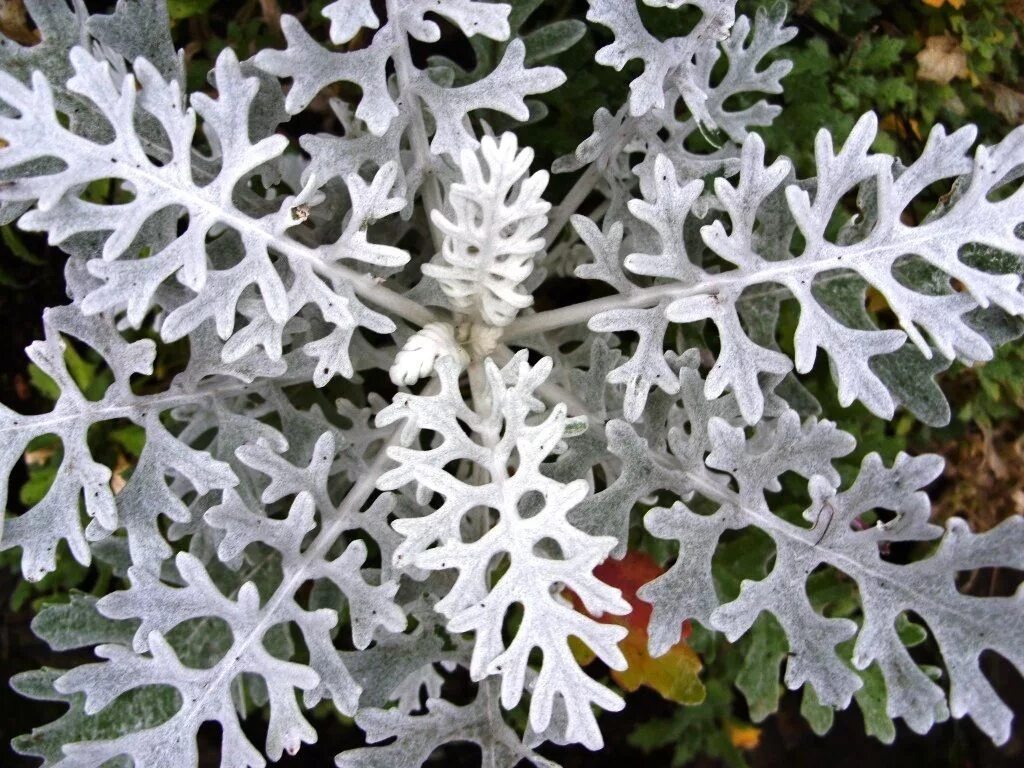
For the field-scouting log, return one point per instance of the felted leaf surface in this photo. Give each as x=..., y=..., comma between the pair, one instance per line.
x=686, y=292
x=419, y=736
x=389, y=110
x=672, y=59
x=159, y=606
x=543, y=550
x=490, y=243
x=254, y=284
x=80, y=477
x=349, y=550
x=963, y=626
x=692, y=101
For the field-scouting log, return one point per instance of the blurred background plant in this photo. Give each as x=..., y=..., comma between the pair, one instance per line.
x=916, y=63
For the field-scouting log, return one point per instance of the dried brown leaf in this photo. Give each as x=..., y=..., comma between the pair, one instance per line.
x=942, y=60
x=15, y=24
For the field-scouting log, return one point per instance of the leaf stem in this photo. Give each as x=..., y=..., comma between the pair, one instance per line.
x=570, y=203
x=404, y=73
x=585, y=184
x=366, y=287
x=808, y=266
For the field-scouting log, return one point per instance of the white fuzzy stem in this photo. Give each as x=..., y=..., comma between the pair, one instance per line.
x=585, y=184
x=734, y=282
x=571, y=203
x=418, y=139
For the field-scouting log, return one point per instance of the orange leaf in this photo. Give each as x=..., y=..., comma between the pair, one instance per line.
x=676, y=675
x=629, y=574
x=744, y=736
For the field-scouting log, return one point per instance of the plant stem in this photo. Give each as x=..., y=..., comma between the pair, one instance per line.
x=585, y=184
x=480, y=399
x=366, y=287
x=807, y=267
x=405, y=74
x=334, y=524
x=551, y=320
x=570, y=203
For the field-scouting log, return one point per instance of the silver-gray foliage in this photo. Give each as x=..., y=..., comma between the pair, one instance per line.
x=274, y=548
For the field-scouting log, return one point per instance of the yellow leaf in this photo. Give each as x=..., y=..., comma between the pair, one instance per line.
x=744, y=736
x=676, y=675
x=958, y=4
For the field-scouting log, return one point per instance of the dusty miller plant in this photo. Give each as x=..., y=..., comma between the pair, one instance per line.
x=282, y=551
